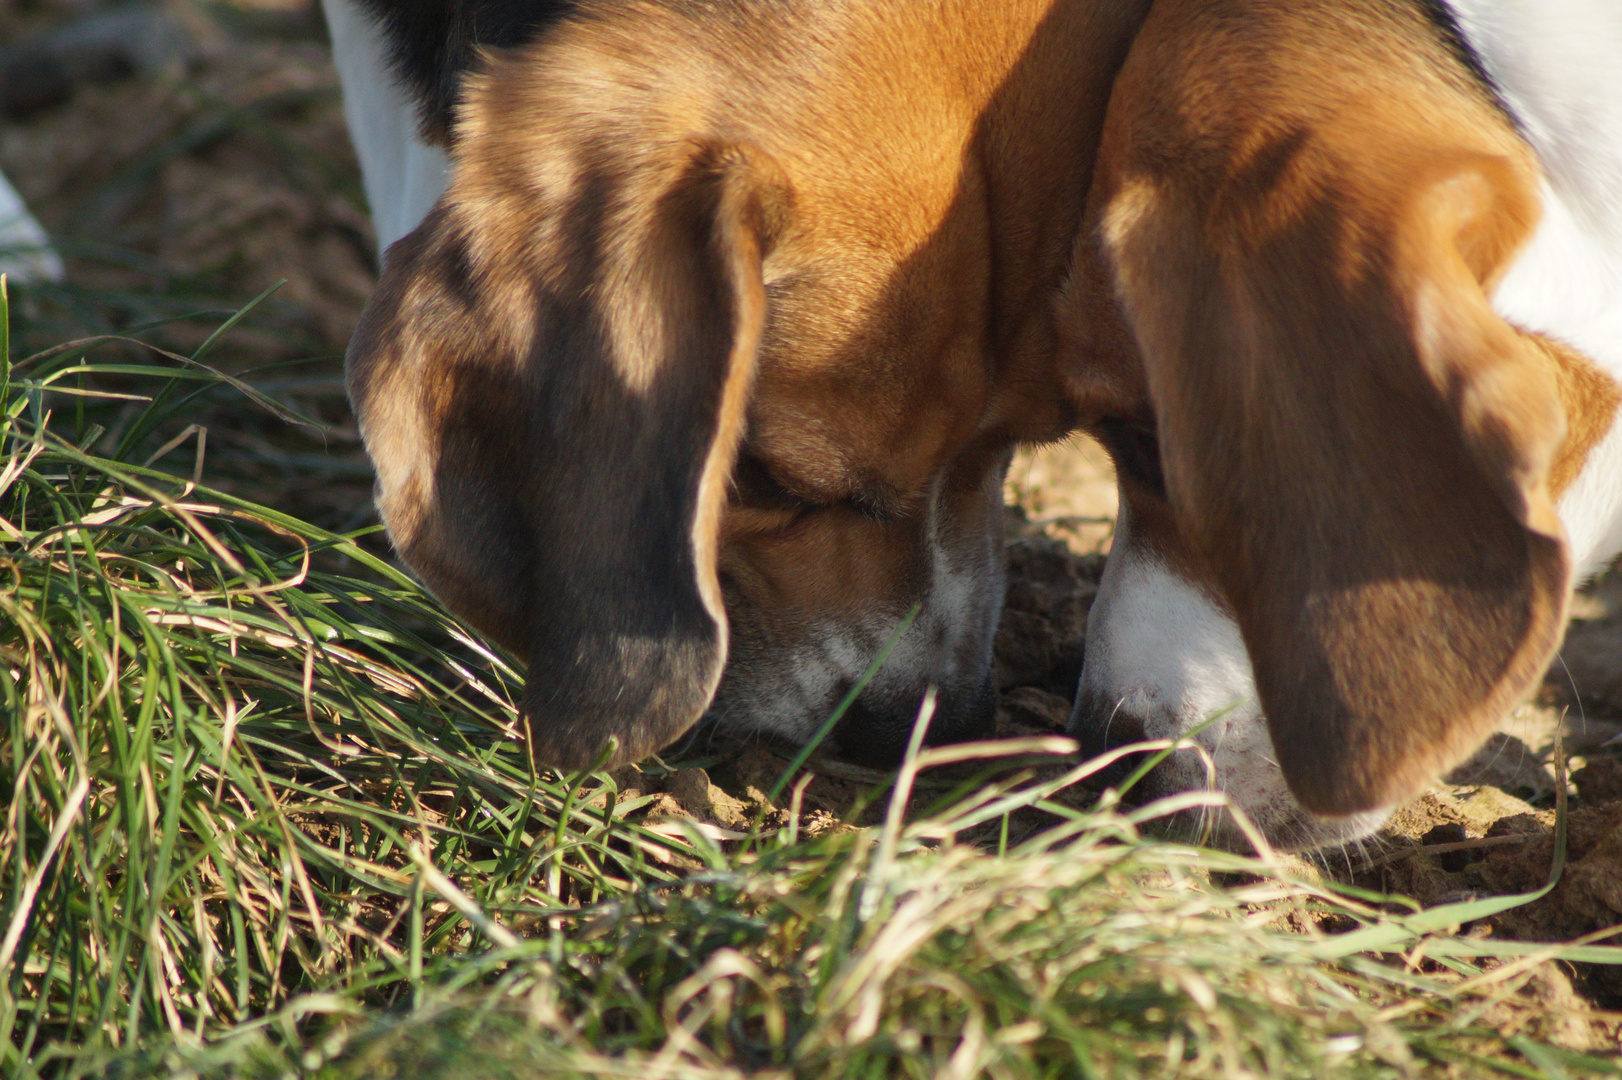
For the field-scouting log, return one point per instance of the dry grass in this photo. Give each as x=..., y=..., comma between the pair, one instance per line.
x=264, y=817
x=221, y=755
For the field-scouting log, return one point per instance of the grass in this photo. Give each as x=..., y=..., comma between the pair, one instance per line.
x=220, y=758
x=265, y=816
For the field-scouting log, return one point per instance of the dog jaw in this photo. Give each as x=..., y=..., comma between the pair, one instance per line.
x=809, y=585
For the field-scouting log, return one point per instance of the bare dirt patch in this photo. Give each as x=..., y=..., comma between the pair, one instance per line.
x=1490, y=829
x=185, y=187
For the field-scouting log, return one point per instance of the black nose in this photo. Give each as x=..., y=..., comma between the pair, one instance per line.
x=875, y=732
x=1101, y=725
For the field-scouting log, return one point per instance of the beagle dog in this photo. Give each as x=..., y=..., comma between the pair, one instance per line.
x=706, y=366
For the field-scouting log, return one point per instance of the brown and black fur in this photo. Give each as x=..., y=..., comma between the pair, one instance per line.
x=434, y=43
x=861, y=249
x=813, y=236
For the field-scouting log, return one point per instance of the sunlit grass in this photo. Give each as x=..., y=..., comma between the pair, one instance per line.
x=265, y=816
x=220, y=759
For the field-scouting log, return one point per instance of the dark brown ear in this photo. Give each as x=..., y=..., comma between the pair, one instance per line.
x=551, y=380
x=1355, y=444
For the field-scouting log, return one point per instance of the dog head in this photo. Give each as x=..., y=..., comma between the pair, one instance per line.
x=1339, y=560
x=706, y=369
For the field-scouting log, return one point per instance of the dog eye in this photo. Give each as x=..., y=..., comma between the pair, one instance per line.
x=875, y=504
x=754, y=484
x=1135, y=448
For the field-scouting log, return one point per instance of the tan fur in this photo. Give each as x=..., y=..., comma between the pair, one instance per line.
x=1358, y=453
x=849, y=255
x=1589, y=399
x=910, y=243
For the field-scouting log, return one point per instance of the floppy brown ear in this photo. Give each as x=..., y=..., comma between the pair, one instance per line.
x=1355, y=444
x=551, y=380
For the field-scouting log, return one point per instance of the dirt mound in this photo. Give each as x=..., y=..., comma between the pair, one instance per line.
x=1044, y=623
x=1490, y=829
x=1460, y=842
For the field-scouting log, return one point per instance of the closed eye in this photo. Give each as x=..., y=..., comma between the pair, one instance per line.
x=876, y=503
x=754, y=485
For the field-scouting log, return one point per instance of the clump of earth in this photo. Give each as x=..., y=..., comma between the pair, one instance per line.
x=1489, y=827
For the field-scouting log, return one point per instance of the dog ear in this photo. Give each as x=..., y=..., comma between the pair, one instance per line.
x=552, y=380
x=1353, y=442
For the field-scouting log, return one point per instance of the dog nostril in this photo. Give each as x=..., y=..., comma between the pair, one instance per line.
x=877, y=734
x=1101, y=726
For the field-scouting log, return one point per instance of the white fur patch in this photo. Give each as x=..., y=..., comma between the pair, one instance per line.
x=1161, y=652
x=403, y=175
x=25, y=249
x=1171, y=656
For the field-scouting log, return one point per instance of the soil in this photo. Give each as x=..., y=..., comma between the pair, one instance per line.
x=206, y=176
x=1489, y=829
x=189, y=181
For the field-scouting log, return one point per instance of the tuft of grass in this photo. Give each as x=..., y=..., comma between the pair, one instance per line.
x=227, y=772
x=265, y=816
x=1089, y=950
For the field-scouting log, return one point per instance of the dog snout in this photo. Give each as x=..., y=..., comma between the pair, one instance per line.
x=1103, y=724
x=875, y=732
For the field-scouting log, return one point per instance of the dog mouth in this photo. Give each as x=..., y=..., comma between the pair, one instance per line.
x=794, y=702
x=1229, y=756
x=875, y=731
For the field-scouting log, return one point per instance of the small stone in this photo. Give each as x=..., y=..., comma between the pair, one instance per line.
x=691, y=788
x=1453, y=833
x=702, y=799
